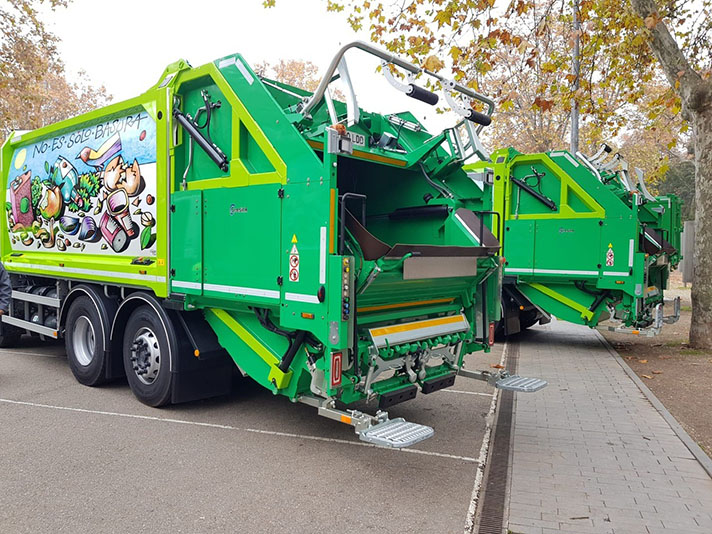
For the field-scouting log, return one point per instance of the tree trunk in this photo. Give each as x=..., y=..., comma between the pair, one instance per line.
x=701, y=327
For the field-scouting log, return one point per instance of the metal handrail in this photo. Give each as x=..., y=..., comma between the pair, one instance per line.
x=390, y=58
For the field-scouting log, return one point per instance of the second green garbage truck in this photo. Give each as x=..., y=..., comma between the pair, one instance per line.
x=583, y=240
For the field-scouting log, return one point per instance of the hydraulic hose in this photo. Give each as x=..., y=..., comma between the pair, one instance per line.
x=440, y=188
x=291, y=351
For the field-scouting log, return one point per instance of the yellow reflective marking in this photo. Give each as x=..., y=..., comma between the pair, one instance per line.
x=416, y=326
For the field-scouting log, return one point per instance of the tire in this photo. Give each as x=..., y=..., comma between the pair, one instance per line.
x=147, y=353
x=84, y=341
x=528, y=318
x=8, y=341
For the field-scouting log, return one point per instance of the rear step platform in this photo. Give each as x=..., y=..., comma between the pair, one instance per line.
x=520, y=384
x=396, y=433
x=503, y=380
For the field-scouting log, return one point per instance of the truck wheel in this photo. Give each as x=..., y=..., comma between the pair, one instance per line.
x=8, y=341
x=146, y=352
x=85, y=343
x=528, y=318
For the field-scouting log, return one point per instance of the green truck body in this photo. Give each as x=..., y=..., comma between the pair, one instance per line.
x=224, y=221
x=583, y=241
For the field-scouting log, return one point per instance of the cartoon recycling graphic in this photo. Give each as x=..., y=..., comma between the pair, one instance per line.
x=78, y=190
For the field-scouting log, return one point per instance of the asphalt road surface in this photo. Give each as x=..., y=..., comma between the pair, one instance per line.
x=79, y=459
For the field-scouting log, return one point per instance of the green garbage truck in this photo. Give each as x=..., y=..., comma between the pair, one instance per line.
x=584, y=240
x=223, y=221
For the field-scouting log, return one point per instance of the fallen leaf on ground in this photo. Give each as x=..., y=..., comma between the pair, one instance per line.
x=629, y=357
x=643, y=361
x=657, y=372
x=647, y=376
x=496, y=366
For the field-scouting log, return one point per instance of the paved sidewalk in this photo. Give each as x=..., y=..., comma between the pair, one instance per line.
x=591, y=454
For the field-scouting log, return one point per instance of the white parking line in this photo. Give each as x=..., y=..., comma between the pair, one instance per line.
x=239, y=429
x=484, y=451
x=467, y=392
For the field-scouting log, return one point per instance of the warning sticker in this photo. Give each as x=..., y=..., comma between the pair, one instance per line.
x=294, y=264
x=610, y=257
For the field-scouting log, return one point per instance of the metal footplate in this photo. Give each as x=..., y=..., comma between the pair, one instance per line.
x=377, y=429
x=520, y=384
x=396, y=433
x=503, y=380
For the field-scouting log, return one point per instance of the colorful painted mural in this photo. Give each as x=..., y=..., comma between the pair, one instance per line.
x=91, y=191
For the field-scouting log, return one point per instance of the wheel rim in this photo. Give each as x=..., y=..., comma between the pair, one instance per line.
x=146, y=355
x=83, y=340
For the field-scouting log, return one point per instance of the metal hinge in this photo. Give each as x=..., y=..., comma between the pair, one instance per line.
x=280, y=280
x=280, y=193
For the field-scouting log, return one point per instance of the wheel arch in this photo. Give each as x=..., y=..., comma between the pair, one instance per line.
x=126, y=308
x=106, y=307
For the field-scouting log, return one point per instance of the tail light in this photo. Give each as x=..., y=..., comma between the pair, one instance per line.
x=336, y=365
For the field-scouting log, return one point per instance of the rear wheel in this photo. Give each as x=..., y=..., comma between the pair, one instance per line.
x=147, y=353
x=9, y=340
x=528, y=318
x=84, y=342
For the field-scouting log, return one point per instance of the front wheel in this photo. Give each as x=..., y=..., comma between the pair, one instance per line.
x=147, y=354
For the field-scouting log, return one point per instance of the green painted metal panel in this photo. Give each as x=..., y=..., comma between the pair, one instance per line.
x=570, y=246
x=519, y=242
x=241, y=237
x=187, y=235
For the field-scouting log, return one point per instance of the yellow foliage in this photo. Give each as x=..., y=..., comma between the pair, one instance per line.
x=433, y=64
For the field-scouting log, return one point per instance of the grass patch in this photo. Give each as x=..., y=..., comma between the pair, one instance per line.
x=674, y=344
x=686, y=308
x=692, y=352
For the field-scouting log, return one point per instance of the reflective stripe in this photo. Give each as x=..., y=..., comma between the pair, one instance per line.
x=631, y=249
x=417, y=330
x=468, y=229
x=186, y=285
x=322, y=255
x=243, y=70
x=565, y=155
x=299, y=297
x=615, y=273
x=236, y=290
x=550, y=271
x=10, y=266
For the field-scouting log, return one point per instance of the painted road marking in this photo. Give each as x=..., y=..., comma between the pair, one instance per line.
x=484, y=452
x=235, y=428
x=467, y=392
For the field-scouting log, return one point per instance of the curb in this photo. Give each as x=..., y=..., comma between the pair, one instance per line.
x=693, y=447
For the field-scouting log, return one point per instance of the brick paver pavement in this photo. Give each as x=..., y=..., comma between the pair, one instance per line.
x=591, y=454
